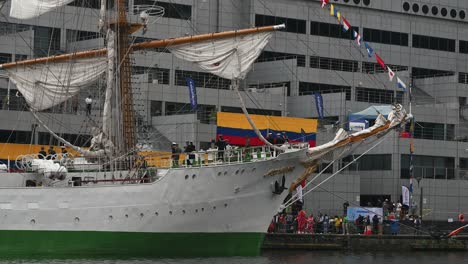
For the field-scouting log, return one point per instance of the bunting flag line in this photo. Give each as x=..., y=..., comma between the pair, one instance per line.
x=357, y=37
x=380, y=62
x=369, y=49
x=334, y=12
x=346, y=25
x=391, y=74
x=324, y=3
x=401, y=84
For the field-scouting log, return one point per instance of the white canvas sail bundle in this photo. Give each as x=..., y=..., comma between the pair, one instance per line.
x=229, y=58
x=46, y=85
x=25, y=9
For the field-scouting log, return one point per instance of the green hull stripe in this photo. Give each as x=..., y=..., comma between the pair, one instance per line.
x=131, y=244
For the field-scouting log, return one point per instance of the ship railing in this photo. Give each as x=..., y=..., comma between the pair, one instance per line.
x=231, y=155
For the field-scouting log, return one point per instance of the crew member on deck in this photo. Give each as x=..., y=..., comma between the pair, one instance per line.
x=42, y=154
x=89, y=102
x=51, y=153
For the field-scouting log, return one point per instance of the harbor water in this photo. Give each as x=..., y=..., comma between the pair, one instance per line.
x=276, y=257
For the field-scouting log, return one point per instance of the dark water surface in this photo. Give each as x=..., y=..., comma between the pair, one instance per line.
x=278, y=257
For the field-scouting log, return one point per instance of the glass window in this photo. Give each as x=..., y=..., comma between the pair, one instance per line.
x=276, y=56
x=171, y=10
x=202, y=79
x=385, y=37
x=330, y=30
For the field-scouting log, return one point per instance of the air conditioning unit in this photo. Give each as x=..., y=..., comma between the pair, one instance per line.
x=252, y=90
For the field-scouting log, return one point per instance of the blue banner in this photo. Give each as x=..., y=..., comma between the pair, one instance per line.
x=192, y=93
x=319, y=104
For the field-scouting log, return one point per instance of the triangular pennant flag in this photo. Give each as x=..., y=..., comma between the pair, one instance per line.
x=380, y=61
x=391, y=74
x=334, y=12
x=346, y=25
x=401, y=84
x=324, y=3
x=357, y=37
x=369, y=49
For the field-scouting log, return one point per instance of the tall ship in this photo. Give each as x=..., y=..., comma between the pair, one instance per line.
x=115, y=196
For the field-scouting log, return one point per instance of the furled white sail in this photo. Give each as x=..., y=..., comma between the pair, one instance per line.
x=230, y=58
x=44, y=86
x=25, y=9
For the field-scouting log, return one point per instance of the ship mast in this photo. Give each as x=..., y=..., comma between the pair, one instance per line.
x=123, y=30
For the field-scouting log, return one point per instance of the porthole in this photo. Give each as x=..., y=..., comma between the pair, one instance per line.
x=170, y=212
x=203, y=209
x=110, y=217
x=237, y=172
x=415, y=8
x=77, y=220
x=183, y=211
x=462, y=14
x=225, y=173
x=186, y=177
x=126, y=216
x=357, y=2
x=366, y=2
x=193, y=176
x=33, y=222
x=225, y=205
x=435, y=10
x=425, y=9
x=141, y=215
x=406, y=6
x=214, y=207
x=443, y=11
x=453, y=13
x=156, y=213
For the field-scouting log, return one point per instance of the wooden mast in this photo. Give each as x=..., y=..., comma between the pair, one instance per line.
x=123, y=29
x=144, y=45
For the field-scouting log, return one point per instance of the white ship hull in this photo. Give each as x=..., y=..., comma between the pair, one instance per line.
x=224, y=199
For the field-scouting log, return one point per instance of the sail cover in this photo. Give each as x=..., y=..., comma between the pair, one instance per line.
x=46, y=85
x=25, y=9
x=229, y=58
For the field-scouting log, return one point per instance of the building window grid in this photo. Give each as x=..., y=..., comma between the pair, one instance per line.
x=277, y=56
x=79, y=35
x=306, y=88
x=378, y=96
x=370, y=162
x=422, y=73
x=385, y=37
x=160, y=74
x=372, y=67
x=428, y=167
x=463, y=77
x=202, y=79
x=331, y=30
x=333, y=64
x=433, y=43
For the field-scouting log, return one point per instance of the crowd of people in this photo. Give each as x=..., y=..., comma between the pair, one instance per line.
x=296, y=220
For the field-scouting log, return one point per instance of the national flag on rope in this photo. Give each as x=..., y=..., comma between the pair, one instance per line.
x=334, y=12
x=391, y=74
x=346, y=25
x=324, y=3
x=380, y=62
x=401, y=84
x=357, y=37
x=369, y=49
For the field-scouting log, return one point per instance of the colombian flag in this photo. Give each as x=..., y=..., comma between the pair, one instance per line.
x=236, y=129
